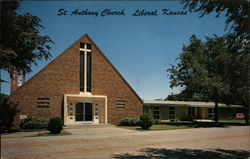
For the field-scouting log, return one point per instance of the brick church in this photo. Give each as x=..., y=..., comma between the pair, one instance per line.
x=80, y=86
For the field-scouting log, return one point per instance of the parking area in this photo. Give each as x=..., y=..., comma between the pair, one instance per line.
x=113, y=142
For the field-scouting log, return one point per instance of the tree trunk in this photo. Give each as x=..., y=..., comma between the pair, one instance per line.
x=216, y=113
x=246, y=114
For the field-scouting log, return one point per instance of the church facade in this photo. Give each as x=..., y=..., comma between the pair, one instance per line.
x=80, y=86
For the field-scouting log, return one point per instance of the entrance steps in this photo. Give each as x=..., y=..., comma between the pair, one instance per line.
x=86, y=125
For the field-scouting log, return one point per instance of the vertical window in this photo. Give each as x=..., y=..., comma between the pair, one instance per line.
x=81, y=45
x=171, y=113
x=88, y=71
x=157, y=112
x=85, y=67
x=211, y=113
x=81, y=71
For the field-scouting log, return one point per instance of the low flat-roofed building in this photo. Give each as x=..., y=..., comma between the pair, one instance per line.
x=186, y=110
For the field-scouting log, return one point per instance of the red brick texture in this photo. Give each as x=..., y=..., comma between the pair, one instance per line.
x=61, y=77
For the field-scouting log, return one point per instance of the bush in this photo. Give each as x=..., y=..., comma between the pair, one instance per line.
x=129, y=122
x=146, y=121
x=156, y=121
x=55, y=125
x=34, y=123
x=8, y=111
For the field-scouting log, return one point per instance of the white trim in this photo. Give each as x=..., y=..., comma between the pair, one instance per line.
x=187, y=103
x=85, y=50
x=65, y=117
x=84, y=94
x=85, y=71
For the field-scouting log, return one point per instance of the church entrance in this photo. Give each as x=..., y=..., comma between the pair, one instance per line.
x=83, y=111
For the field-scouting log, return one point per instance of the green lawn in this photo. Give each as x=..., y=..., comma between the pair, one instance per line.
x=233, y=121
x=187, y=125
x=47, y=133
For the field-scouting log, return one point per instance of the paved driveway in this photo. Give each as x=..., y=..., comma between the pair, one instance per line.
x=112, y=142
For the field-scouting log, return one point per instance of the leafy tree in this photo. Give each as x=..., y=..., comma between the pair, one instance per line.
x=238, y=43
x=21, y=43
x=8, y=111
x=236, y=13
x=201, y=70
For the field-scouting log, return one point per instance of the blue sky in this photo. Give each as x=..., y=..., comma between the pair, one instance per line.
x=140, y=47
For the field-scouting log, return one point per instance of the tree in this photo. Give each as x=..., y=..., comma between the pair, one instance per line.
x=21, y=43
x=201, y=70
x=236, y=13
x=8, y=111
x=238, y=42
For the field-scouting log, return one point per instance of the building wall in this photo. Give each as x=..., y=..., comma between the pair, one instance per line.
x=61, y=77
x=181, y=113
x=202, y=113
x=164, y=113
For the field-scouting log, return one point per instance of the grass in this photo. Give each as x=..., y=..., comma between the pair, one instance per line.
x=47, y=133
x=187, y=125
x=233, y=121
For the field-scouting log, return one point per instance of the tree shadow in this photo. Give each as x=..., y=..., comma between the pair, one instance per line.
x=149, y=153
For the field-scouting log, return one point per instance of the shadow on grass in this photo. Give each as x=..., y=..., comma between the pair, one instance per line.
x=149, y=153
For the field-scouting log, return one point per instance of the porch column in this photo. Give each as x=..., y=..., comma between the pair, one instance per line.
x=65, y=114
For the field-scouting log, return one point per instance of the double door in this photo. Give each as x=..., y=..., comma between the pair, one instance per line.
x=84, y=111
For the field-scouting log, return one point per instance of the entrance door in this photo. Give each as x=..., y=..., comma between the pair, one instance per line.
x=84, y=111
x=88, y=112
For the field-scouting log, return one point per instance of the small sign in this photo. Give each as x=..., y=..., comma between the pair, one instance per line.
x=23, y=116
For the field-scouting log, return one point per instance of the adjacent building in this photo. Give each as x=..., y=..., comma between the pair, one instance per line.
x=188, y=110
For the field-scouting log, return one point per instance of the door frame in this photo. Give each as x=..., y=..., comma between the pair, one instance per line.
x=84, y=111
x=80, y=97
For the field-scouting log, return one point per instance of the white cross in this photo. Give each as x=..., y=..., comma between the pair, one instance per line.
x=85, y=50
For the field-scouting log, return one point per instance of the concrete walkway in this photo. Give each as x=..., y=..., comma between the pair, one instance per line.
x=113, y=142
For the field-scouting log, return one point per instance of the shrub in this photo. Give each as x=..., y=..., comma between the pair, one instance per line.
x=34, y=123
x=156, y=121
x=146, y=121
x=129, y=122
x=55, y=125
x=8, y=111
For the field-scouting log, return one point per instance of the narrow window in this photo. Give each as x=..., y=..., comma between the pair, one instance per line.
x=81, y=70
x=88, y=71
x=171, y=113
x=85, y=67
x=211, y=113
x=157, y=112
x=81, y=45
